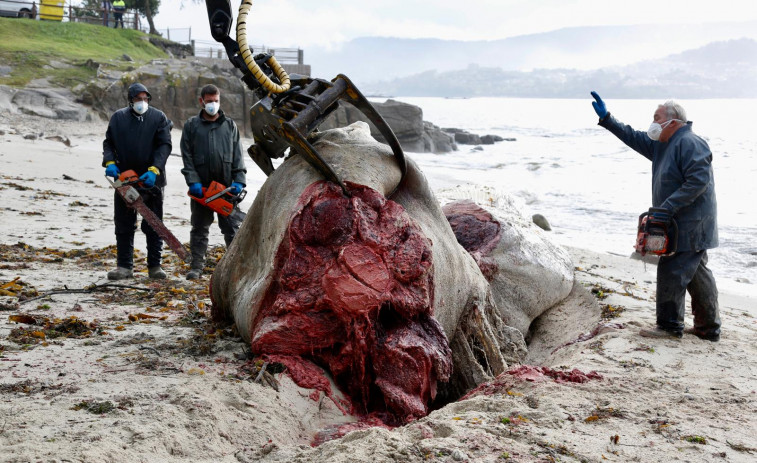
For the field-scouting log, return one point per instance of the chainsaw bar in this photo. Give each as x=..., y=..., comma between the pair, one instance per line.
x=134, y=200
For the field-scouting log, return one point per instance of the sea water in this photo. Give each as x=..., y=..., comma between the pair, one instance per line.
x=588, y=184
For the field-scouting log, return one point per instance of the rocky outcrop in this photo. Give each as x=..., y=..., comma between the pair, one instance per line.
x=174, y=85
x=406, y=120
x=173, y=49
x=53, y=103
x=464, y=137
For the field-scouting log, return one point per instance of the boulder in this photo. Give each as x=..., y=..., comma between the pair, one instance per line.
x=175, y=86
x=375, y=294
x=406, y=120
x=53, y=103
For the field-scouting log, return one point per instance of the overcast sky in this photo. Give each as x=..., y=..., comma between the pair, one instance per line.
x=308, y=23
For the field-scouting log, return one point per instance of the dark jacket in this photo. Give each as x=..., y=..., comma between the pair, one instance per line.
x=138, y=142
x=211, y=152
x=682, y=180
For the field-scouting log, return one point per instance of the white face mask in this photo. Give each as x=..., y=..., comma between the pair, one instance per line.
x=140, y=107
x=212, y=107
x=655, y=129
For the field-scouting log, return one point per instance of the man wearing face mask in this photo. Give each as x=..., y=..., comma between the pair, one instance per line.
x=684, y=185
x=211, y=152
x=138, y=138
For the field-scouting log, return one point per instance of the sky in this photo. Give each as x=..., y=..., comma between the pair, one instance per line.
x=309, y=23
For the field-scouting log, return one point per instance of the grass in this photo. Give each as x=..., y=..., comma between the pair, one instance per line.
x=29, y=46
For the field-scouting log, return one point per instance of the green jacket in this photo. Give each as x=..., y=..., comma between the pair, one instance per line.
x=210, y=151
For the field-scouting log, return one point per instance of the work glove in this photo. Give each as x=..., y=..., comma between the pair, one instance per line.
x=195, y=189
x=237, y=188
x=148, y=179
x=599, y=106
x=111, y=170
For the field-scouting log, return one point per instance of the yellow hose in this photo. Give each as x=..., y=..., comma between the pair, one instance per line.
x=264, y=80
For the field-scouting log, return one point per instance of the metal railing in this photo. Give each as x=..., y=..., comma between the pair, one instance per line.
x=210, y=49
x=59, y=10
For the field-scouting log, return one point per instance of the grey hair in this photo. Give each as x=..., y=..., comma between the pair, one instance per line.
x=674, y=110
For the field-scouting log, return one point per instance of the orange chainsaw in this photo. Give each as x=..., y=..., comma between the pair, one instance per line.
x=125, y=188
x=657, y=233
x=219, y=198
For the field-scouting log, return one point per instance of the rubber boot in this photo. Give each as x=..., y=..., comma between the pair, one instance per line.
x=120, y=273
x=156, y=273
x=194, y=274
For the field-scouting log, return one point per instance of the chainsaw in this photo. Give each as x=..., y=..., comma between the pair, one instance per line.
x=657, y=233
x=125, y=186
x=289, y=109
x=219, y=199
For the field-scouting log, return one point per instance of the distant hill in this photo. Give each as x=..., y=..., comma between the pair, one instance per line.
x=380, y=59
x=717, y=70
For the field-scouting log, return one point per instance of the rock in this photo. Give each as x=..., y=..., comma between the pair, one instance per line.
x=53, y=103
x=541, y=222
x=406, y=120
x=490, y=139
x=30, y=136
x=174, y=85
x=5, y=71
x=126, y=57
x=459, y=455
x=466, y=138
x=436, y=141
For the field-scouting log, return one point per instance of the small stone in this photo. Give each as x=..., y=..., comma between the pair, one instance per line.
x=459, y=455
x=541, y=222
x=30, y=136
x=126, y=57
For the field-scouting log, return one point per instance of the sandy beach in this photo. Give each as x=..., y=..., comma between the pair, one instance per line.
x=92, y=371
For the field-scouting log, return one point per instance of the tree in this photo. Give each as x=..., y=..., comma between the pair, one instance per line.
x=148, y=8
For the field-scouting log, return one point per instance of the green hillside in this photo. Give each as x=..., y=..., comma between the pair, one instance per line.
x=29, y=47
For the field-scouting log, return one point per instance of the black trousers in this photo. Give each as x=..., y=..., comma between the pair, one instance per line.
x=125, y=219
x=118, y=17
x=202, y=218
x=675, y=275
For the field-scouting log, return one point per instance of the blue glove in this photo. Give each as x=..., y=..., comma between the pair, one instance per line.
x=111, y=170
x=237, y=188
x=599, y=106
x=148, y=179
x=195, y=189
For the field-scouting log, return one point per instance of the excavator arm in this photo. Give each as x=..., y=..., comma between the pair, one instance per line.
x=289, y=108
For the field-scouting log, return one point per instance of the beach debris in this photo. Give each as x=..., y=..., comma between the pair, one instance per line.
x=611, y=311
x=17, y=186
x=741, y=447
x=44, y=328
x=695, y=439
x=94, y=407
x=602, y=328
x=601, y=413
x=600, y=292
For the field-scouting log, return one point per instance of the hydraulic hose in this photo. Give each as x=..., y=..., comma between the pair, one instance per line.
x=244, y=48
